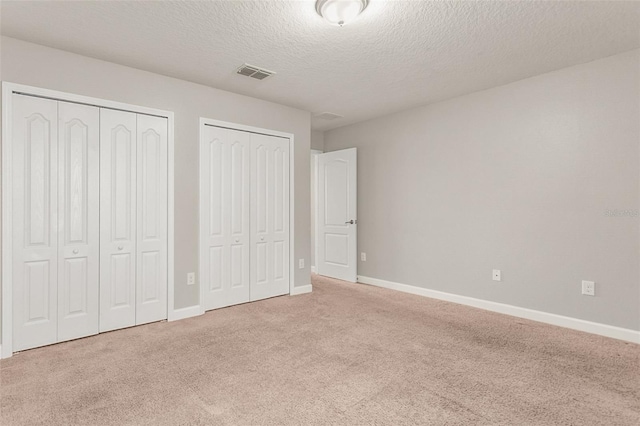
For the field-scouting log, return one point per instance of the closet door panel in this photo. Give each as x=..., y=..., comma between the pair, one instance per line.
x=78, y=229
x=270, y=216
x=151, y=282
x=214, y=271
x=260, y=255
x=35, y=233
x=225, y=223
x=239, y=215
x=280, y=234
x=117, y=219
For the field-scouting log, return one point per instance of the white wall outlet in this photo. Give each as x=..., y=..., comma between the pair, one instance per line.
x=191, y=278
x=497, y=275
x=363, y=256
x=301, y=263
x=588, y=288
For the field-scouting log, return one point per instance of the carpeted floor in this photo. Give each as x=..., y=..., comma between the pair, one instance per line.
x=345, y=354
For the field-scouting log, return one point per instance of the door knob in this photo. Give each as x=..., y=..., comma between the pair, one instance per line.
x=351, y=222
x=237, y=240
x=75, y=251
x=261, y=238
x=120, y=247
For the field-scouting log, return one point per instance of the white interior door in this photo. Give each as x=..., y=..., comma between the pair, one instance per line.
x=78, y=220
x=35, y=212
x=117, y=219
x=269, y=216
x=337, y=237
x=224, y=216
x=151, y=251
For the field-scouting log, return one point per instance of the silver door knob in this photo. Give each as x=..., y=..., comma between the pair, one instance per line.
x=261, y=238
x=351, y=222
x=120, y=247
x=237, y=241
x=75, y=251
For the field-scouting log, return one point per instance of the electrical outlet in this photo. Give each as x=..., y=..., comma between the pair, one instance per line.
x=301, y=263
x=497, y=275
x=588, y=288
x=191, y=278
x=363, y=256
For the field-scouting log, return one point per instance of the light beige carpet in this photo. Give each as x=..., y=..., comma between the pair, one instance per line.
x=345, y=354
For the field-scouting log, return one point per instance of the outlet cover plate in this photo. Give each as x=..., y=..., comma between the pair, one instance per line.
x=588, y=288
x=497, y=275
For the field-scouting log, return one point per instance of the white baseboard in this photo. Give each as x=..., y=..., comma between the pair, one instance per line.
x=530, y=314
x=188, y=312
x=301, y=290
x=5, y=355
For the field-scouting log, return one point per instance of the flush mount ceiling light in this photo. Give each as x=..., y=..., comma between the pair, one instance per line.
x=339, y=12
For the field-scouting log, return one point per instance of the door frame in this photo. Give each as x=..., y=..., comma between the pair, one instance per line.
x=314, y=225
x=8, y=89
x=201, y=164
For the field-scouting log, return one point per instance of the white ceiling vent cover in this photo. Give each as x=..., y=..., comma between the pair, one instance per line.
x=254, y=72
x=328, y=116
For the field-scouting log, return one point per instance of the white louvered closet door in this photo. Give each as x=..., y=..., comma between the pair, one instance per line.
x=118, y=195
x=35, y=224
x=225, y=223
x=78, y=220
x=269, y=216
x=151, y=252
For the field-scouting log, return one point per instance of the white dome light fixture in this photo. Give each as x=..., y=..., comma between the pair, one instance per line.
x=339, y=12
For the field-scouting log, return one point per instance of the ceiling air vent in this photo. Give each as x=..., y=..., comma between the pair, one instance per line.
x=327, y=116
x=254, y=72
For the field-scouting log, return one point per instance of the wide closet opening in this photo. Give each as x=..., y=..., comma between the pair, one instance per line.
x=245, y=248
x=85, y=237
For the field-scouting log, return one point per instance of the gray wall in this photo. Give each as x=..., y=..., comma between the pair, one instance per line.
x=516, y=178
x=41, y=66
x=317, y=140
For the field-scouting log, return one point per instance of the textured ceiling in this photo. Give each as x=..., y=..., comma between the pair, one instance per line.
x=396, y=55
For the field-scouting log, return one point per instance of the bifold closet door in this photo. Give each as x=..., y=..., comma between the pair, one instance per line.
x=89, y=219
x=35, y=221
x=225, y=221
x=118, y=193
x=55, y=221
x=78, y=220
x=151, y=251
x=269, y=216
x=133, y=219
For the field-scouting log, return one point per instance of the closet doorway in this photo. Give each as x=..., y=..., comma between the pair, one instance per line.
x=87, y=230
x=246, y=214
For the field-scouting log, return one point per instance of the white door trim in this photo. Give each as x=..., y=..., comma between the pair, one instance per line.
x=314, y=225
x=8, y=89
x=251, y=129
